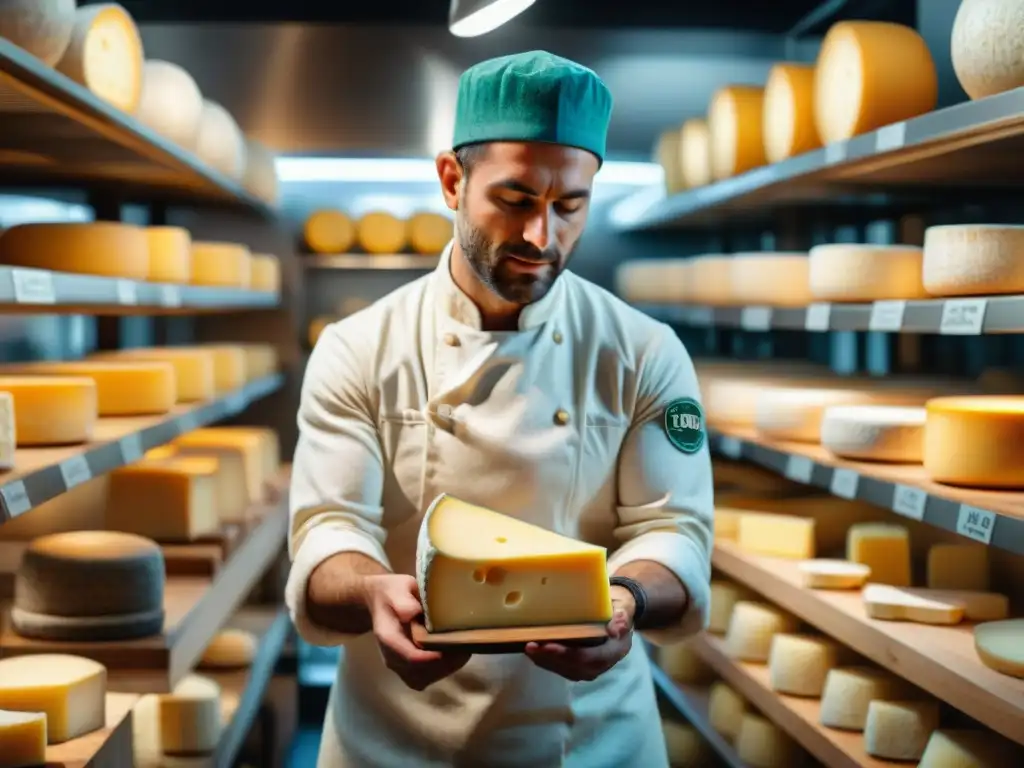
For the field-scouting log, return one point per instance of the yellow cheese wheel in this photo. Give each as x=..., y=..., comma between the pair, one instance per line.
x=870, y=74
x=105, y=55
x=772, y=279
x=109, y=249
x=970, y=259
x=788, y=118
x=660, y=281
x=170, y=254
x=266, y=273
x=760, y=743
x=229, y=649
x=970, y=749
x=221, y=265
x=734, y=119
x=429, y=233
x=41, y=27
x=220, y=143
x=381, y=233
x=260, y=177
x=864, y=272
x=329, y=231
x=666, y=154
x=171, y=103
x=695, y=153
x=986, y=47
x=52, y=410
x=711, y=277
x=260, y=360
x=974, y=441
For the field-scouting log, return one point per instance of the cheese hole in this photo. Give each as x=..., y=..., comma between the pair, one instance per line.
x=501, y=540
x=513, y=598
x=495, y=575
x=479, y=575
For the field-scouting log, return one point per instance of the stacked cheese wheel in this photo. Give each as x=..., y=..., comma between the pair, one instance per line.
x=331, y=231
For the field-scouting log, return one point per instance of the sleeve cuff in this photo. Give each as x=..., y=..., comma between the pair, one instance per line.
x=323, y=543
x=684, y=558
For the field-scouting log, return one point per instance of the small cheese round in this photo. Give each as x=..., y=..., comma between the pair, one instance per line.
x=724, y=596
x=788, y=116
x=1000, y=646
x=171, y=103
x=328, y=231
x=869, y=74
x=725, y=710
x=849, y=690
x=266, y=273
x=752, y=627
x=695, y=153
x=762, y=744
x=429, y=233
x=681, y=663
x=975, y=441
x=655, y=281
x=986, y=48
x=666, y=154
x=899, y=730
x=221, y=265
x=220, y=143
x=712, y=280
x=770, y=279
x=105, y=248
x=970, y=749
x=381, y=233
x=229, y=649
x=973, y=259
x=260, y=178
x=833, y=574
x=734, y=121
x=89, y=585
x=686, y=748
x=41, y=27
x=190, y=721
x=52, y=410
x=874, y=432
x=863, y=272
x=798, y=664
x=170, y=254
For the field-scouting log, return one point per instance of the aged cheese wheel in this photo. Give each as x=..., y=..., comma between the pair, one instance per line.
x=429, y=233
x=734, y=121
x=685, y=746
x=971, y=259
x=849, y=690
x=266, y=273
x=680, y=662
x=109, y=249
x=41, y=27
x=863, y=272
x=381, y=233
x=711, y=276
x=695, y=153
x=788, y=117
x=798, y=664
x=190, y=717
x=171, y=103
x=105, y=55
x=725, y=710
x=229, y=649
x=261, y=173
x=221, y=265
x=900, y=730
x=170, y=254
x=870, y=74
x=760, y=743
x=987, y=49
x=770, y=278
x=874, y=432
x=970, y=749
x=1000, y=646
x=666, y=154
x=220, y=142
x=52, y=410
x=752, y=627
x=973, y=441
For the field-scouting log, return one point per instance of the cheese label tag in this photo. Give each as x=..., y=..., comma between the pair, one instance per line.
x=684, y=424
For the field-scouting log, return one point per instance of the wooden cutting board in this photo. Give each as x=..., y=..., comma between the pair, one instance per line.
x=508, y=640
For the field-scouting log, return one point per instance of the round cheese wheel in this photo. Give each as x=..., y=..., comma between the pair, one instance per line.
x=798, y=664
x=695, y=153
x=762, y=744
x=686, y=748
x=381, y=233
x=725, y=710
x=970, y=749
x=874, y=432
x=52, y=410
x=105, y=55
x=170, y=254
x=230, y=649
x=429, y=233
x=171, y=103
x=190, y=717
x=752, y=627
x=681, y=663
x=266, y=273
x=109, y=249
x=261, y=173
x=869, y=74
x=734, y=120
x=328, y=231
x=1000, y=646
x=862, y=272
x=974, y=441
x=770, y=278
x=788, y=116
x=41, y=27
x=848, y=692
x=724, y=596
x=972, y=259
x=222, y=265
x=220, y=142
x=900, y=730
x=986, y=47
x=711, y=277
x=667, y=156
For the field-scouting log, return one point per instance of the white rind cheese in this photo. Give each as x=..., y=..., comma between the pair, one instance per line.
x=798, y=664
x=973, y=259
x=900, y=730
x=41, y=27
x=986, y=46
x=695, y=153
x=849, y=690
x=772, y=279
x=875, y=432
x=970, y=749
x=220, y=142
x=1000, y=646
x=863, y=272
x=171, y=103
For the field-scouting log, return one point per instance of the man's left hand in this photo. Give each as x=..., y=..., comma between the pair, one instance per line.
x=583, y=664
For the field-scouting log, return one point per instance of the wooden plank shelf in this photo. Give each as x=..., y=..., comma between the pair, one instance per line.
x=109, y=747
x=370, y=262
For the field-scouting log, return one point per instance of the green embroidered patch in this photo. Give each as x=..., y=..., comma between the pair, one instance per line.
x=684, y=424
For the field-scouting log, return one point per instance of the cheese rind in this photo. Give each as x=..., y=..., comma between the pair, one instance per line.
x=381, y=233
x=251, y=446
x=751, y=629
x=329, y=231
x=229, y=649
x=986, y=48
x=974, y=441
x=684, y=745
x=724, y=596
x=666, y=154
x=725, y=710
x=266, y=273
x=874, y=432
x=788, y=117
x=681, y=663
x=1000, y=646
x=171, y=103
x=695, y=153
x=52, y=410
x=970, y=749
x=865, y=272
x=193, y=367
x=22, y=737
x=107, y=249
x=973, y=259
x=770, y=279
x=849, y=691
x=734, y=122
x=173, y=500
x=711, y=276
x=833, y=574
x=798, y=664
x=170, y=254
x=762, y=744
x=933, y=606
x=429, y=233
x=479, y=569
x=220, y=142
x=41, y=27
x=882, y=547
x=221, y=265
x=899, y=730
x=69, y=690
x=190, y=719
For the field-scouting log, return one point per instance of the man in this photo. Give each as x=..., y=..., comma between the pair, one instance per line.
x=509, y=382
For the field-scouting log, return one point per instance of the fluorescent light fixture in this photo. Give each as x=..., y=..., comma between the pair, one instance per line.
x=472, y=18
x=406, y=170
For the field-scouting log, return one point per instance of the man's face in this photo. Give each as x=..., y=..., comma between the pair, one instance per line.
x=521, y=211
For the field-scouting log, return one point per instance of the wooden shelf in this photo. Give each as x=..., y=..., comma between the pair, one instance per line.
x=989, y=517
x=935, y=658
x=797, y=716
x=42, y=474
x=367, y=261
x=196, y=609
x=109, y=747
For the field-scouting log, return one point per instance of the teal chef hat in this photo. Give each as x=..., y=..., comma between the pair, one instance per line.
x=533, y=96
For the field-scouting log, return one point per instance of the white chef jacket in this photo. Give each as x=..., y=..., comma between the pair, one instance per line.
x=560, y=423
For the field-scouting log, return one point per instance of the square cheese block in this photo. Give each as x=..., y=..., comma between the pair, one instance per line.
x=69, y=690
x=884, y=548
x=479, y=569
x=249, y=446
x=169, y=500
x=22, y=739
x=958, y=566
x=270, y=444
x=777, y=535
x=232, y=482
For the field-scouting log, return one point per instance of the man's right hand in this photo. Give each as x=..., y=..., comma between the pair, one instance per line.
x=394, y=603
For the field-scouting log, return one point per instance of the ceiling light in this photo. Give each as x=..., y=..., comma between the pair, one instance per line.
x=471, y=18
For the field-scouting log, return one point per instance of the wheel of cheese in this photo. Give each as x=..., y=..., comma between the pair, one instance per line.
x=970, y=749
x=724, y=596
x=681, y=663
x=52, y=410
x=108, y=249
x=329, y=231
x=711, y=277
x=41, y=27
x=734, y=122
x=869, y=74
x=986, y=48
x=260, y=178
x=862, y=272
x=725, y=710
x=788, y=118
x=171, y=103
x=266, y=273
x=972, y=259
x=170, y=254
x=762, y=744
x=695, y=153
x=261, y=360
x=229, y=649
x=975, y=441
x=666, y=154
x=1000, y=646
x=220, y=143
x=381, y=233
x=874, y=432
x=771, y=279
x=798, y=664
x=752, y=627
x=221, y=265
x=684, y=745
x=105, y=55
x=900, y=730
x=849, y=690
x=89, y=586
x=429, y=233
x=190, y=718
x=661, y=281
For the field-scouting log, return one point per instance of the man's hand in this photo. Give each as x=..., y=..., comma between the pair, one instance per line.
x=394, y=603
x=584, y=664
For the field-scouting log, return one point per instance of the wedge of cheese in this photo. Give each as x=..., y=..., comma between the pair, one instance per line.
x=232, y=493
x=69, y=690
x=249, y=445
x=22, y=739
x=479, y=569
x=933, y=606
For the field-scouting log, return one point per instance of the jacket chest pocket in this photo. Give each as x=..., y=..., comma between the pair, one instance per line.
x=403, y=437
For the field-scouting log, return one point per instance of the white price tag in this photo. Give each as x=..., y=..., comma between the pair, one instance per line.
x=975, y=523
x=835, y=152
x=131, y=449
x=756, y=318
x=844, y=483
x=730, y=446
x=817, y=317
x=75, y=471
x=963, y=317
x=127, y=292
x=235, y=403
x=887, y=316
x=16, y=498
x=890, y=137
x=170, y=296
x=799, y=469
x=33, y=286
x=909, y=502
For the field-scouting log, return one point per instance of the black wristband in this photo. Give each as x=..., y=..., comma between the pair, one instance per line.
x=638, y=592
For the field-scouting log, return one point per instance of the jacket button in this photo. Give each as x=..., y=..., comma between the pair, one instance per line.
x=561, y=417
x=451, y=340
x=557, y=337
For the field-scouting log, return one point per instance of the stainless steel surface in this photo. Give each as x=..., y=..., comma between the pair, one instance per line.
x=366, y=262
